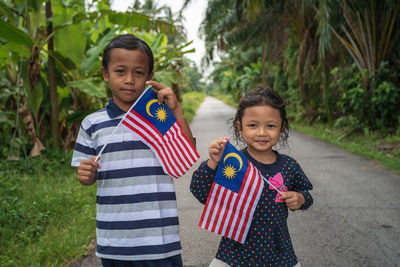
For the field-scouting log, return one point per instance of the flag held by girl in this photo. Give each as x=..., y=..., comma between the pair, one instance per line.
x=233, y=197
x=158, y=129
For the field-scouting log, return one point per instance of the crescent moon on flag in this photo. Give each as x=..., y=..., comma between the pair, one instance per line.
x=148, y=106
x=235, y=155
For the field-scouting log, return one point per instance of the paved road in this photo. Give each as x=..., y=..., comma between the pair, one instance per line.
x=355, y=219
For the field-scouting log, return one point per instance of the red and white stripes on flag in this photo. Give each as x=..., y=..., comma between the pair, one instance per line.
x=228, y=213
x=174, y=151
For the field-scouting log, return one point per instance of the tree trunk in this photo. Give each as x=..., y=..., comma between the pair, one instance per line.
x=27, y=118
x=51, y=77
x=264, y=58
x=300, y=62
x=26, y=114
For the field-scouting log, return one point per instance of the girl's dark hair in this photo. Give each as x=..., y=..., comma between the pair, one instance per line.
x=129, y=42
x=259, y=96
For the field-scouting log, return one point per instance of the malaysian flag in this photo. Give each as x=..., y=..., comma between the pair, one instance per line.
x=233, y=196
x=159, y=129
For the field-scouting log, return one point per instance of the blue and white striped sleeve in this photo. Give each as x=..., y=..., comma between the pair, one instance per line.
x=84, y=148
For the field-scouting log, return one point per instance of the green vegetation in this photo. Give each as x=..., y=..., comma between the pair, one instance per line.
x=335, y=62
x=47, y=218
x=50, y=82
x=190, y=103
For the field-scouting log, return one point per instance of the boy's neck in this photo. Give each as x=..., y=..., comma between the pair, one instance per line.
x=123, y=106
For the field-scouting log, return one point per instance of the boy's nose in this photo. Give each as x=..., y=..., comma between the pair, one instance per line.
x=130, y=79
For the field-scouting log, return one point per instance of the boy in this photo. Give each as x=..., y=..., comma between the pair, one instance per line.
x=137, y=220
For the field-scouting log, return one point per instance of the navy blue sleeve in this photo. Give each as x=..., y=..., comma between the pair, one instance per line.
x=202, y=180
x=302, y=185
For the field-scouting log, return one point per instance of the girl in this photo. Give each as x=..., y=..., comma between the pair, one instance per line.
x=260, y=122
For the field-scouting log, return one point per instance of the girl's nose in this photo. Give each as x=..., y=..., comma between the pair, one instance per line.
x=262, y=131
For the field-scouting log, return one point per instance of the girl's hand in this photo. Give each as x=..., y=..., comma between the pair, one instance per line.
x=87, y=170
x=216, y=149
x=293, y=200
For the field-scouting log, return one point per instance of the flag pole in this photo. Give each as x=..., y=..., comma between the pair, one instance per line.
x=123, y=118
x=265, y=179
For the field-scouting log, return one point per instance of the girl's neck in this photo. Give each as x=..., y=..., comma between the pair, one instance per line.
x=265, y=157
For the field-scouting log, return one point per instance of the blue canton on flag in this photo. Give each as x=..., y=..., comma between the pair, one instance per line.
x=233, y=196
x=158, y=128
x=233, y=169
x=158, y=115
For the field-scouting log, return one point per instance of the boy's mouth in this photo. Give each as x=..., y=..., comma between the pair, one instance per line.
x=128, y=91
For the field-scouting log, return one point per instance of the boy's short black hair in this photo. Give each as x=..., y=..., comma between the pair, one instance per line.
x=129, y=42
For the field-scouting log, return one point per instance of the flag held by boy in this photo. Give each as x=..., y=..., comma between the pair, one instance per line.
x=233, y=196
x=158, y=128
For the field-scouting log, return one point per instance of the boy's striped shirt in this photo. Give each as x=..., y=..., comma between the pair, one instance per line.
x=137, y=215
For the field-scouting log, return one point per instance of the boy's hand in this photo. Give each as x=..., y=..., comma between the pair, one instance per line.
x=87, y=170
x=293, y=200
x=167, y=94
x=216, y=149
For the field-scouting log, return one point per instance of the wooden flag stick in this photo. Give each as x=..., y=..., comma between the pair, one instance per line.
x=123, y=118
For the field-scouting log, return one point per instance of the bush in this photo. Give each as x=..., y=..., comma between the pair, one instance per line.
x=372, y=105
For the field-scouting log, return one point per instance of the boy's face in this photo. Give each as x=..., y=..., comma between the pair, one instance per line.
x=128, y=71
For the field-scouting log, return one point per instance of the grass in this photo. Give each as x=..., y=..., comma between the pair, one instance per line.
x=227, y=99
x=190, y=102
x=47, y=218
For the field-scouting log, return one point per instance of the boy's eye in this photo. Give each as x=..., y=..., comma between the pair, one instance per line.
x=139, y=73
x=120, y=71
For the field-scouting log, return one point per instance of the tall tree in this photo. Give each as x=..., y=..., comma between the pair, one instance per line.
x=52, y=80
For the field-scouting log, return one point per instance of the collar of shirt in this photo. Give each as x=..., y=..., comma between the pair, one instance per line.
x=271, y=169
x=113, y=110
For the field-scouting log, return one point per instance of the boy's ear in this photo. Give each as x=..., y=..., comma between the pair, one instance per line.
x=106, y=77
x=150, y=76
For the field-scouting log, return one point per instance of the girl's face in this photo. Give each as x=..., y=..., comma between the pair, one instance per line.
x=127, y=73
x=260, y=129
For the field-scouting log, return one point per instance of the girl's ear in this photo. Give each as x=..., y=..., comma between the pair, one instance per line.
x=239, y=126
x=106, y=77
x=283, y=126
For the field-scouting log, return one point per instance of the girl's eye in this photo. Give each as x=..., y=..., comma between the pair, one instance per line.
x=271, y=126
x=252, y=125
